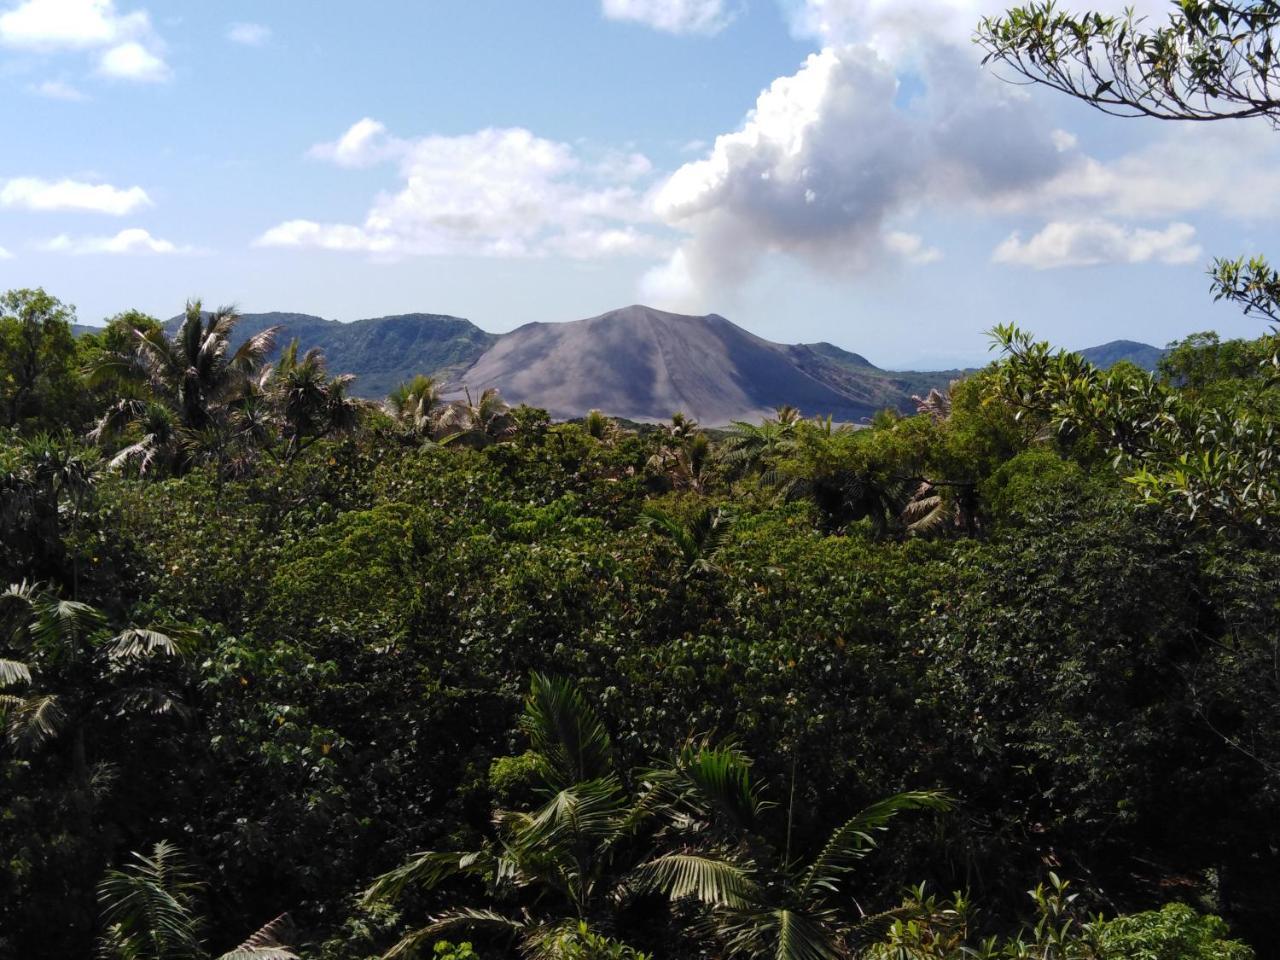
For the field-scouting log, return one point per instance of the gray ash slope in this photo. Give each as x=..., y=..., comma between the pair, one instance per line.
x=645, y=364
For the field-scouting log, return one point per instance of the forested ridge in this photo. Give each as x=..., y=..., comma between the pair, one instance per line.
x=286, y=673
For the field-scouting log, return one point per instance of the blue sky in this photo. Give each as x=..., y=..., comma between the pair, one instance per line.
x=836, y=170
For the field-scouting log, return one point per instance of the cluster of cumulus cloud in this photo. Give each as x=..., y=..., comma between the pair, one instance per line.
x=889, y=123
x=887, y=130
x=504, y=193
x=120, y=45
x=38, y=195
x=124, y=45
x=893, y=117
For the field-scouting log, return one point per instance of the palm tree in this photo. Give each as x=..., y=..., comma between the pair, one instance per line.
x=929, y=510
x=759, y=905
x=47, y=482
x=477, y=423
x=195, y=375
x=751, y=448
x=149, y=908
x=195, y=370
x=69, y=672
x=683, y=458
x=416, y=405
x=562, y=863
x=163, y=446
x=310, y=404
x=699, y=540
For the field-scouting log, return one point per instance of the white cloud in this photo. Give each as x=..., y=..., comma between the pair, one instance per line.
x=58, y=90
x=330, y=236
x=69, y=24
x=33, y=193
x=5, y=254
x=911, y=247
x=365, y=143
x=829, y=157
x=497, y=192
x=1064, y=140
x=1092, y=242
x=133, y=240
x=249, y=34
x=672, y=16
x=133, y=61
x=131, y=49
x=590, y=244
x=835, y=154
x=1231, y=169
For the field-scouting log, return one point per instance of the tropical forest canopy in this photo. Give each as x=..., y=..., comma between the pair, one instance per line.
x=286, y=673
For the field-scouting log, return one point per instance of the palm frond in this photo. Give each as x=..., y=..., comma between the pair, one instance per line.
x=800, y=938
x=14, y=671
x=427, y=870
x=926, y=511
x=254, y=350
x=710, y=880
x=713, y=782
x=17, y=604
x=267, y=943
x=670, y=527
x=855, y=838
x=58, y=621
x=143, y=698
x=34, y=721
x=568, y=736
x=140, y=642
x=150, y=901
x=590, y=812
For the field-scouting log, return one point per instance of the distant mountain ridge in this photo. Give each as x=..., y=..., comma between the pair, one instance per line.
x=637, y=362
x=382, y=352
x=1107, y=355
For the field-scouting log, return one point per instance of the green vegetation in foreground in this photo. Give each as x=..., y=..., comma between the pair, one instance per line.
x=268, y=645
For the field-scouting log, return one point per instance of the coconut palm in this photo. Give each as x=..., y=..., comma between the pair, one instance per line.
x=61, y=670
x=477, y=423
x=195, y=376
x=759, y=905
x=416, y=405
x=560, y=867
x=308, y=403
x=149, y=908
x=195, y=371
